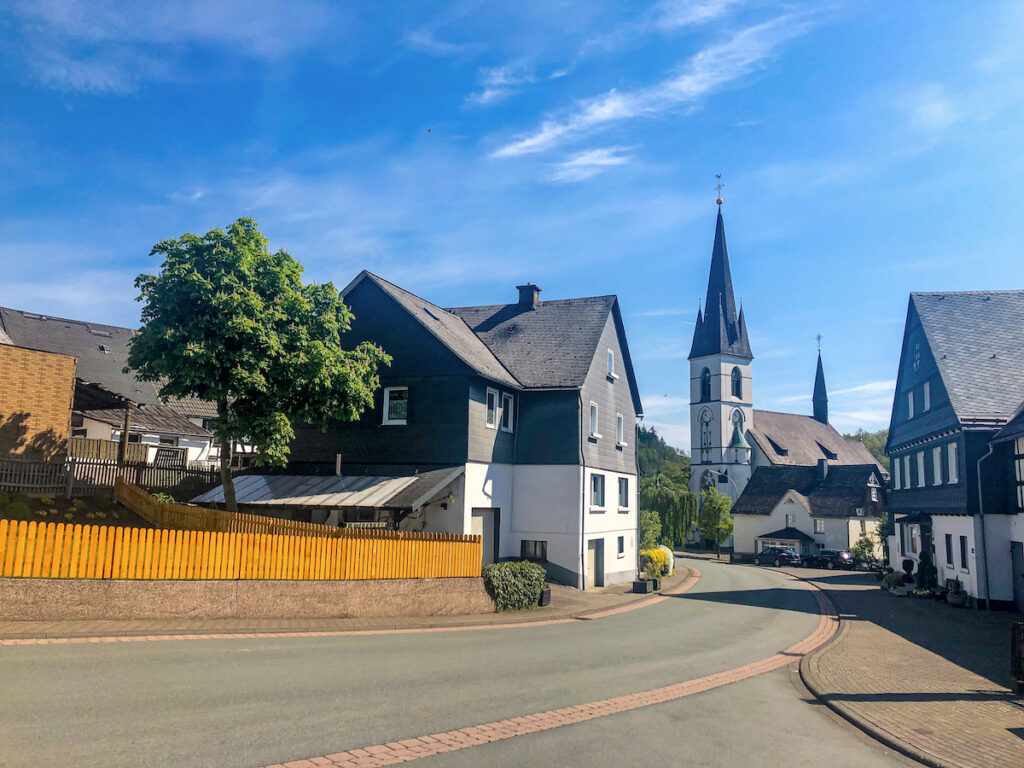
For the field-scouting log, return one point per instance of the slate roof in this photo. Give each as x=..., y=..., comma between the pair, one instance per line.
x=977, y=339
x=1014, y=427
x=788, y=533
x=159, y=419
x=795, y=439
x=838, y=495
x=449, y=329
x=83, y=340
x=719, y=330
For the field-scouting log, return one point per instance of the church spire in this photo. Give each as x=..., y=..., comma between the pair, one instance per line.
x=820, y=398
x=720, y=330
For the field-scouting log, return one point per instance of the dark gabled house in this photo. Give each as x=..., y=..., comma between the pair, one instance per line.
x=955, y=471
x=809, y=508
x=531, y=405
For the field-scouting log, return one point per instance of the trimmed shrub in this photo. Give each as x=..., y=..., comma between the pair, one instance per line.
x=514, y=585
x=17, y=510
x=654, y=562
x=927, y=574
x=892, y=580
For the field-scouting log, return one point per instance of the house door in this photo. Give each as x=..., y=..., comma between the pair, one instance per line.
x=595, y=563
x=485, y=525
x=1017, y=554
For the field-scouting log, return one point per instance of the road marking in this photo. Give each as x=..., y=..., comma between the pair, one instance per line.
x=683, y=586
x=449, y=741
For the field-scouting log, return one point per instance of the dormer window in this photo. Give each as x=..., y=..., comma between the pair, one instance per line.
x=705, y=385
x=779, y=450
x=830, y=455
x=737, y=383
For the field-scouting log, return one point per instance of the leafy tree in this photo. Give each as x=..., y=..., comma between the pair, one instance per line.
x=713, y=519
x=875, y=443
x=863, y=550
x=650, y=529
x=230, y=322
x=664, y=486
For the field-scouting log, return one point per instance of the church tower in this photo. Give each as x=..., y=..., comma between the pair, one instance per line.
x=820, y=397
x=721, y=393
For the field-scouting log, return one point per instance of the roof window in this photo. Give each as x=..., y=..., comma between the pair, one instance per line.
x=777, y=448
x=830, y=455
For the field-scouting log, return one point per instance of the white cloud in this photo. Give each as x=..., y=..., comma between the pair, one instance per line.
x=666, y=17
x=930, y=109
x=708, y=71
x=424, y=40
x=872, y=387
x=667, y=312
x=498, y=83
x=662, y=405
x=589, y=163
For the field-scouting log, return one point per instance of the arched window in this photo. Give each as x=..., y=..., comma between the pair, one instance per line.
x=705, y=436
x=705, y=385
x=737, y=383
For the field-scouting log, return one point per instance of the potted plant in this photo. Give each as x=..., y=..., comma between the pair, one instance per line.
x=956, y=596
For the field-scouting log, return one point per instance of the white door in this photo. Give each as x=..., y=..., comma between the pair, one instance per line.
x=595, y=563
x=484, y=525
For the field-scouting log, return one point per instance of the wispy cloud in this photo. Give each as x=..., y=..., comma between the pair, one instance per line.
x=664, y=17
x=930, y=108
x=872, y=387
x=425, y=40
x=666, y=312
x=589, y=163
x=703, y=74
x=498, y=83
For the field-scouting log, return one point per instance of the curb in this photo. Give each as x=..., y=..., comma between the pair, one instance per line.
x=878, y=734
x=253, y=632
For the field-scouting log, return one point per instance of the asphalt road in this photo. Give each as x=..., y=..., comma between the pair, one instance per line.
x=253, y=702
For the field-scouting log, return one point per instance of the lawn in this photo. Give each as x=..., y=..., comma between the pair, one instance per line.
x=86, y=510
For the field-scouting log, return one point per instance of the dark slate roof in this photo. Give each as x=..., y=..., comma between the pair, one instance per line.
x=977, y=340
x=819, y=400
x=84, y=340
x=804, y=440
x=159, y=419
x=719, y=330
x=788, y=534
x=449, y=329
x=1013, y=429
x=838, y=495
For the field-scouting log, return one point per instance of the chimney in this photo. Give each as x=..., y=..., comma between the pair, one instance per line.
x=822, y=469
x=529, y=296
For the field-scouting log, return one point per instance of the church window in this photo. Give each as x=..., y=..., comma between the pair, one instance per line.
x=705, y=436
x=705, y=385
x=737, y=383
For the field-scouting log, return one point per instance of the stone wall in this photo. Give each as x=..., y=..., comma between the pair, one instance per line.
x=36, y=391
x=94, y=599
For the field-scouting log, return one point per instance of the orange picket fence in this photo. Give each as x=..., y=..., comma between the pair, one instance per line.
x=59, y=550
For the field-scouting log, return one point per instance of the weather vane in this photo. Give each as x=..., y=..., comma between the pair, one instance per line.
x=719, y=187
x=818, y=337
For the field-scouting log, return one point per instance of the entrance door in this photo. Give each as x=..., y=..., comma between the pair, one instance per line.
x=485, y=525
x=1017, y=553
x=595, y=563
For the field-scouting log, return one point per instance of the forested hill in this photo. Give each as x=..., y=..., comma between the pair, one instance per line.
x=656, y=456
x=874, y=442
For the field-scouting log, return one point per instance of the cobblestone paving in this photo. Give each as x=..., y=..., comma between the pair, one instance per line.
x=913, y=698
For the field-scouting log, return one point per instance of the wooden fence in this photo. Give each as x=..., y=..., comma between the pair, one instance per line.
x=83, y=477
x=105, y=450
x=37, y=478
x=58, y=550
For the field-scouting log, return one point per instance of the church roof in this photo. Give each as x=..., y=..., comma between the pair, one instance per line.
x=797, y=440
x=719, y=329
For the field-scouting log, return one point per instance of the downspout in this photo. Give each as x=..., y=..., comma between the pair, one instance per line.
x=636, y=531
x=981, y=516
x=583, y=499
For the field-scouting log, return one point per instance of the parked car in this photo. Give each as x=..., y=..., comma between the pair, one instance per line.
x=776, y=556
x=829, y=558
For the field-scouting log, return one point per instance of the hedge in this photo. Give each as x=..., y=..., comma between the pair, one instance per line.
x=514, y=585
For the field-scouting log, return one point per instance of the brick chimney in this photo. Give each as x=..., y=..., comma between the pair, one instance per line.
x=529, y=296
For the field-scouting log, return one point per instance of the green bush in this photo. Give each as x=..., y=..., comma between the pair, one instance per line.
x=927, y=574
x=892, y=580
x=655, y=562
x=164, y=497
x=514, y=585
x=18, y=510
x=22, y=499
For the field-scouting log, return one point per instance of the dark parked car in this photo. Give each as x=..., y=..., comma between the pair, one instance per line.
x=776, y=556
x=829, y=558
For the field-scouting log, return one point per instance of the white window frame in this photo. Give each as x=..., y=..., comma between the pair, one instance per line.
x=790, y=521
x=507, y=409
x=621, y=547
x=920, y=470
x=594, y=478
x=595, y=415
x=491, y=418
x=620, y=430
x=908, y=481
x=896, y=473
x=611, y=365
x=953, y=476
x=623, y=507
x=874, y=493
x=910, y=405
x=387, y=406
x=937, y=465
x=927, y=404
x=819, y=525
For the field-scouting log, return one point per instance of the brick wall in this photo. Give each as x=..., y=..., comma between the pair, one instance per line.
x=36, y=391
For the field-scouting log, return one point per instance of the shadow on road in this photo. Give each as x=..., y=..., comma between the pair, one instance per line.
x=973, y=696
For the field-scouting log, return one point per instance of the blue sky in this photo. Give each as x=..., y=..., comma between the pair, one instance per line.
x=868, y=149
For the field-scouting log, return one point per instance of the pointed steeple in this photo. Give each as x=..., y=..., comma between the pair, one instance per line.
x=720, y=331
x=820, y=398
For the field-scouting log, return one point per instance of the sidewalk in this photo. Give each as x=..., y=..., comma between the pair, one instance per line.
x=927, y=679
x=566, y=604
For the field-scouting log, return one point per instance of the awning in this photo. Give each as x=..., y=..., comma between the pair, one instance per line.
x=407, y=491
x=915, y=518
x=788, y=534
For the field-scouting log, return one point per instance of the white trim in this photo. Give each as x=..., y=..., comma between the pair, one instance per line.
x=611, y=365
x=910, y=405
x=487, y=411
x=620, y=430
x=604, y=492
x=952, y=464
x=927, y=396
x=920, y=470
x=595, y=415
x=937, y=465
x=387, y=406
x=507, y=406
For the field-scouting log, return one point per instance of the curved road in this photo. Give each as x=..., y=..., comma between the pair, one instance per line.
x=254, y=702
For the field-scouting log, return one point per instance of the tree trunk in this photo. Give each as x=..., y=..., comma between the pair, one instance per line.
x=226, y=480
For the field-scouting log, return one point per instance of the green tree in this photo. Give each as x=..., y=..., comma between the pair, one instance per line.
x=713, y=519
x=675, y=506
x=875, y=443
x=649, y=525
x=230, y=322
